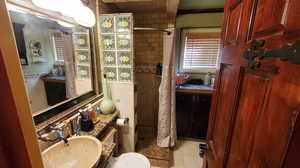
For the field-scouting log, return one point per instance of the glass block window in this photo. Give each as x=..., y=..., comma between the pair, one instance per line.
x=116, y=46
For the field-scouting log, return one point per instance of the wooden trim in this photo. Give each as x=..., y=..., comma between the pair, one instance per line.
x=196, y=11
x=19, y=101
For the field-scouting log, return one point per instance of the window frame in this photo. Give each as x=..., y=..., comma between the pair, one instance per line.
x=183, y=33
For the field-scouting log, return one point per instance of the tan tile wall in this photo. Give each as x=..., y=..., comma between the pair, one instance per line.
x=148, y=46
x=104, y=8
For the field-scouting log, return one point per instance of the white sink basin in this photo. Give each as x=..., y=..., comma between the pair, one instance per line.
x=82, y=152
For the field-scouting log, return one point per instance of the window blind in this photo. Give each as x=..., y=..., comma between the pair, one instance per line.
x=58, y=43
x=201, y=50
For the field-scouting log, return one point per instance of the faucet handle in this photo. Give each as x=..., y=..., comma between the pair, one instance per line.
x=58, y=126
x=59, y=133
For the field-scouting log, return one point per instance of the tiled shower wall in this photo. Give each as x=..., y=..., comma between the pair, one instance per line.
x=148, y=46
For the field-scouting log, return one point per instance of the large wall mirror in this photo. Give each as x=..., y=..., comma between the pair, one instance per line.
x=56, y=60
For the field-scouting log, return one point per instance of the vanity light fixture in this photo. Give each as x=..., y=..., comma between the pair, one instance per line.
x=72, y=8
x=47, y=4
x=85, y=17
x=65, y=24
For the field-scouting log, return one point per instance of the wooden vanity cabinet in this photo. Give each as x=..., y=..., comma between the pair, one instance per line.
x=192, y=112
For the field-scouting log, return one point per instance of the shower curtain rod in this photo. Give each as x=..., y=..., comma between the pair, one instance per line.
x=152, y=29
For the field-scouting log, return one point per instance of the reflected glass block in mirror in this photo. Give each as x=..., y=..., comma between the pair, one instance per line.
x=83, y=72
x=109, y=58
x=111, y=73
x=81, y=41
x=124, y=74
x=107, y=24
x=124, y=58
x=123, y=42
x=80, y=30
x=123, y=24
x=108, y=42
x=82, y=56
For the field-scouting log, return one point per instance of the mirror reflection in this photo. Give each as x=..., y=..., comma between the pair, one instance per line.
x=56, y=60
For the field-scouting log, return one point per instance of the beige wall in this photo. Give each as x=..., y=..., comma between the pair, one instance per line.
x=199, y=20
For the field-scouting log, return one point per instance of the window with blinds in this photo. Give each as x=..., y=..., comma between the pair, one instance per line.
x=201, y=50
x=58, y=44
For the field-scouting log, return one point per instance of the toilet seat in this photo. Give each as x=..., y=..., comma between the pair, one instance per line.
x=132, y=160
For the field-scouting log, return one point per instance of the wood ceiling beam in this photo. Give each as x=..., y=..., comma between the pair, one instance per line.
x=194, y=11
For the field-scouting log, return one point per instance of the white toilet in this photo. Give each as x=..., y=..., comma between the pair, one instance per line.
x=131, y=160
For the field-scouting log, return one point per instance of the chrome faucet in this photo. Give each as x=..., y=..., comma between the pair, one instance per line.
x=59, y=136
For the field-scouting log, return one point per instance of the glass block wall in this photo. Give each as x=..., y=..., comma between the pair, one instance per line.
x=116, y=46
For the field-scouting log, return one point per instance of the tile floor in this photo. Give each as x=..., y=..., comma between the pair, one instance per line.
x=186, y=155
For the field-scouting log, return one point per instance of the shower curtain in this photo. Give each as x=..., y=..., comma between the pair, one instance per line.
x=69, y=67
x=166, y=133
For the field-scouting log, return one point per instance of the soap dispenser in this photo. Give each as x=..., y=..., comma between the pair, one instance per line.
x=92, y=113
x=207, y=79
x=86, y=124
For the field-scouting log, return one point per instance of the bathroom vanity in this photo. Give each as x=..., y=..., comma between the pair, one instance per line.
x=55, y=89
x=104, y=130
x=192, y=110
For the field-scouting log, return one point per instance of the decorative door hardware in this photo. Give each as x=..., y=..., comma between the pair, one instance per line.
x=203, y=149
x=286, y=53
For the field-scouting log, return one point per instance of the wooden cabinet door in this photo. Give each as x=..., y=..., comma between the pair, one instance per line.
x=254, y=110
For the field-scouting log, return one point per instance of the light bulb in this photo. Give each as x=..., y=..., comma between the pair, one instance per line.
x=70, y=7
x=85, y=17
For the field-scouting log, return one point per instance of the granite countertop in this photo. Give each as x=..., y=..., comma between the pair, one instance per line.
x=58, y=79
x=107, y=151
x=192, y=88
x=102, y=124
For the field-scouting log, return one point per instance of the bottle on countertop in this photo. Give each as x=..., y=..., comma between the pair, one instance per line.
x=98, y=111
x=212, y=81
x=92, y=113
x=207, y=79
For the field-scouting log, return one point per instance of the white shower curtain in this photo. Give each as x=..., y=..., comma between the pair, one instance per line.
x=167, y=134
x=69, y=66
